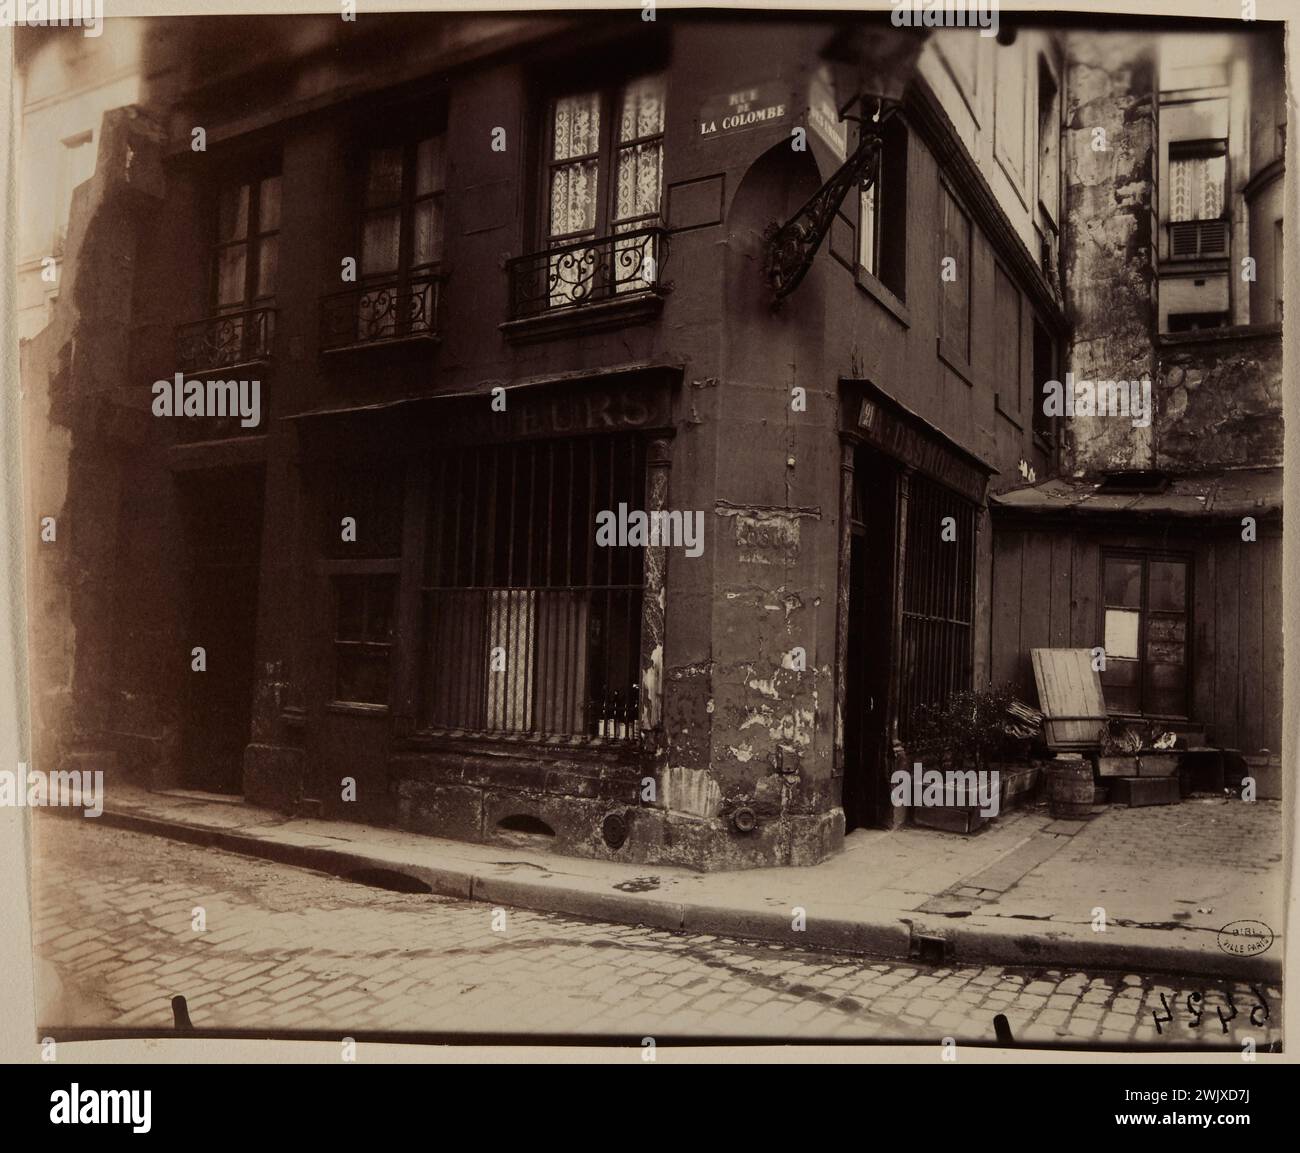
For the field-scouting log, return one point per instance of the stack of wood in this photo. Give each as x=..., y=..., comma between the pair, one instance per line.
x=1023, y=721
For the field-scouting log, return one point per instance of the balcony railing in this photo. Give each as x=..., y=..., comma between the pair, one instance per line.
x=380, y=313
x=225, y=340
x=1197, y=239
x=584, y=272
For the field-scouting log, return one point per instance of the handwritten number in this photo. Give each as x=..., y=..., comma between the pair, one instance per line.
x=1262, y=1005
x=1222, y=1019
x=1169, y=1016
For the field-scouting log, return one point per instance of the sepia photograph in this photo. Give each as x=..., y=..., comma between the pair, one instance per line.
x=645, y=526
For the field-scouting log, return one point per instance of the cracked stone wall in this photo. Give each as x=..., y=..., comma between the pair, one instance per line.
x=1220, y=401
x=1109, y=142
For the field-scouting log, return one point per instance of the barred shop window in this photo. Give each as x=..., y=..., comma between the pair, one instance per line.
x=882, y=214
x=604, y=175
x=938, y=599
x=1145, y=629
x=361, y=550
x=530, y=627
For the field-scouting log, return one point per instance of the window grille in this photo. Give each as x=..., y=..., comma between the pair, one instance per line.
x=531, y=629
x=938, y=599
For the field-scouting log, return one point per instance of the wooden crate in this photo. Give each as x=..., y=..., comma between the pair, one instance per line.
x=1116, y=766
x=1158, y=764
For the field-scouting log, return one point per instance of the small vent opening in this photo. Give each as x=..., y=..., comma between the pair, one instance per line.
x=525, y=823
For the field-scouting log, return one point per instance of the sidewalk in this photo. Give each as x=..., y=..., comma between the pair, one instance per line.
x=1022, y=892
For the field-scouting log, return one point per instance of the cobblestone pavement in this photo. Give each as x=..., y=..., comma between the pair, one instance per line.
x=285, y=948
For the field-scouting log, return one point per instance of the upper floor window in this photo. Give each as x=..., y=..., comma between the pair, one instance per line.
x=402, y=208
x=1049, y=143
x=1044, y=369
x=1196, y=176
x=955, y=282
x=605, y=160
x=604, y=178
x=1197, y=208
x=882, y=214
x=401, y=235
x=1006, y=350
x=244, y=260
x=246, y=253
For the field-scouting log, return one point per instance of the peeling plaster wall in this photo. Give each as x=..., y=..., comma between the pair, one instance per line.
x=1107, y=239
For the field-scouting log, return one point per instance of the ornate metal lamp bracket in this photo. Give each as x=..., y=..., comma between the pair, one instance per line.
x=789, y=248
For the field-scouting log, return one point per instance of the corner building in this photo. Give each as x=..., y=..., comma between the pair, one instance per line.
x=497, y=274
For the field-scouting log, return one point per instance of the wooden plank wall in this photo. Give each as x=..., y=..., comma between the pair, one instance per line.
x=1047, y=590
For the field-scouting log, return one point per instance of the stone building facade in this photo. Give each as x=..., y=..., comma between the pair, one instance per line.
x=495, y=275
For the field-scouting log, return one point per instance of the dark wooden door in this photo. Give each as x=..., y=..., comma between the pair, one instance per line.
x=222, y=512
x=870, y=660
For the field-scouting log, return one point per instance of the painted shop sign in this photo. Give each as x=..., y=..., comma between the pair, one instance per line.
x=746, y=108
x=906, y=443
x=824, y=115
x=544, y=413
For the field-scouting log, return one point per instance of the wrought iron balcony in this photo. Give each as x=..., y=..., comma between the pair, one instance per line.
x=584, y=272
x=225, y=340
x=380, y=313
x=1197, y=239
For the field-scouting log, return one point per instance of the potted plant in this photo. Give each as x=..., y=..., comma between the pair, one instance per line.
x=970, y=731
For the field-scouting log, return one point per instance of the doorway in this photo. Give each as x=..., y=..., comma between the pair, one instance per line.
x=870, y=657
x=222, y=513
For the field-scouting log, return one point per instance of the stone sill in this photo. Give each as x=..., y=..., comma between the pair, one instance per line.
x=415, y=340
x=882, y=295
x=520, y=750
x=1232, y=332
x=258, y=363
x=466, y=767
x=585, y=317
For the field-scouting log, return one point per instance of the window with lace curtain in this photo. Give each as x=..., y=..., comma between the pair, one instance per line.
x=1197, y=170
x=1197, y=224
x=604, y=179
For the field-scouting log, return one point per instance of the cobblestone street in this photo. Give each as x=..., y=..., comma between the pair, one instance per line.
x=285, y=948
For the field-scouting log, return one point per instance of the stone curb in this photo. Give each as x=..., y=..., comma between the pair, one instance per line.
x=887, y=934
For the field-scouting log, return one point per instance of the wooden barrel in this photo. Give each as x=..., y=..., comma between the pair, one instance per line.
x=1071, y=789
